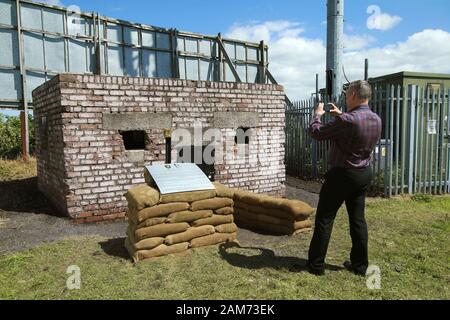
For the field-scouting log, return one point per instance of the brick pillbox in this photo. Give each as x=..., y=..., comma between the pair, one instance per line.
x=84, y=167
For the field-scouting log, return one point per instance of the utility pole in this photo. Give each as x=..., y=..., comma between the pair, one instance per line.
x=335, y=33
x=24, y=126
x=366, y=69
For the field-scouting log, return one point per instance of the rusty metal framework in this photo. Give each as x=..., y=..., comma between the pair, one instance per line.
x=40, y=40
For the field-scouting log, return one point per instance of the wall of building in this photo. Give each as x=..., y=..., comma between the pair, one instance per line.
x=413, y=78
x=84, y=167
x=50, y=144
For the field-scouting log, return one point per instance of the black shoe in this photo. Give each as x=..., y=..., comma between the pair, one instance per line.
x=348, y=265
x=314, y=271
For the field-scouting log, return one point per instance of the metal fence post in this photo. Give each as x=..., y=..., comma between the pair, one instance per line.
x=411, y=103
x=442, y=149
x=262, y=63
x=313, y=141
x=389, y=146
x=386, y=136
x=447, y=179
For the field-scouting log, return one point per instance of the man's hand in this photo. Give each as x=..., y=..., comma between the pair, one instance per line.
x=319, y=110
x=335, y=111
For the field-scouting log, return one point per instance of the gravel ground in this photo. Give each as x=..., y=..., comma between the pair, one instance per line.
x=27, y=219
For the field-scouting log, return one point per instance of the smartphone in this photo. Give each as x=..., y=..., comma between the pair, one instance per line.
x=327, y=107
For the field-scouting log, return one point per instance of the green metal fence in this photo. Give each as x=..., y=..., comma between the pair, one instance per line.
x=305, y=157
x=413, y=154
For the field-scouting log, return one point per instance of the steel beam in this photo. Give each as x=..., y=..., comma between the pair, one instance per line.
x=227, y=59
x=24, y=128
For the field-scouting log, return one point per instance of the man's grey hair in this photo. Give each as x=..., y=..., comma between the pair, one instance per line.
x=362, y=89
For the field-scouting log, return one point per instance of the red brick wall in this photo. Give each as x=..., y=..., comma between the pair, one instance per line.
x=84, y=168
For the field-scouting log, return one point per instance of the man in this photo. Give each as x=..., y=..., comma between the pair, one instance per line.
x=353, y=137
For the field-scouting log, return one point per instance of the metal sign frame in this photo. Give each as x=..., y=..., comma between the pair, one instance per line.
x=179, y=177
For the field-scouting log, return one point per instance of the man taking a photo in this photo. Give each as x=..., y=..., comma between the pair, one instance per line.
x=353, y=137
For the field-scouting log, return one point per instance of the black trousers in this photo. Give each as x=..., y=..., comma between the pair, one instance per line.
x=349, y=186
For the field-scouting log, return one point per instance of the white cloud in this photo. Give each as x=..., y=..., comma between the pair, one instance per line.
x=357, y=42
x=380, y=20
x=295, y=59
x=425, y=51
x=52, y=2
x=266, y=31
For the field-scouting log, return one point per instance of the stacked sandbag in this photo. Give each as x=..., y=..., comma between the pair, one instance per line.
x=272, y=215
x=172, y=223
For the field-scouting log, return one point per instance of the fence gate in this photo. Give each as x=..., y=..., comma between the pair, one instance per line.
x=413, y=154
x=305, y=157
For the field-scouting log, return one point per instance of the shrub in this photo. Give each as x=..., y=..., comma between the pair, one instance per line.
x=10, y=136
x=420, y=197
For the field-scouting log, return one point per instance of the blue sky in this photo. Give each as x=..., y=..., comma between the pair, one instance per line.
x=211, y=17
x=401, y=36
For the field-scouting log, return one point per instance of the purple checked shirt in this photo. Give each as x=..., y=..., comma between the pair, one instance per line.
x=353, y=136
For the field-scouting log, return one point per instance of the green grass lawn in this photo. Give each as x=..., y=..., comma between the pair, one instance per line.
x=409, y=241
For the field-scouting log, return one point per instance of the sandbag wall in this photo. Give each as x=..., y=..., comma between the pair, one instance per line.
x=272, y=215
x=164, y=224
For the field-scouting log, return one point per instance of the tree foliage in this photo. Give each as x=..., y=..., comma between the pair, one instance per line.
x=10, y=136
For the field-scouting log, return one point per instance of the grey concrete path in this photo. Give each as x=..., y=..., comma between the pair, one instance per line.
x=27, y=219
